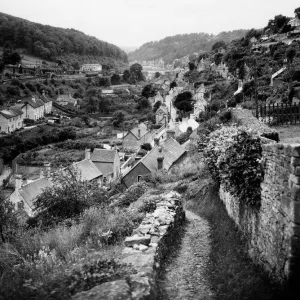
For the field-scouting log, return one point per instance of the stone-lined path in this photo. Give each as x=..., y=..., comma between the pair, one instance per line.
x=183, y=276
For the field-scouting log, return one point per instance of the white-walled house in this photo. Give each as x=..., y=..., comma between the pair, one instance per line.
x=33, y=108
x=11, y=119
x=47, y=102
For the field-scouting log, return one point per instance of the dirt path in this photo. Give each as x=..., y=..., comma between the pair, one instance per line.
x=184, y=270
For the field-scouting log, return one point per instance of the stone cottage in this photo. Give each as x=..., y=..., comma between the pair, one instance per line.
x=162, y=157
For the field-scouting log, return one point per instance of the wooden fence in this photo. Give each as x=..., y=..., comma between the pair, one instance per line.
x=283, y=113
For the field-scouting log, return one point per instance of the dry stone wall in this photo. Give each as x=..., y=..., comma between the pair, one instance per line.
x=144, y=251
x=273, y=230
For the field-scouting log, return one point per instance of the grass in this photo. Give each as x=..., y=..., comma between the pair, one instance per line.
x=70, y=257
x=231, y=272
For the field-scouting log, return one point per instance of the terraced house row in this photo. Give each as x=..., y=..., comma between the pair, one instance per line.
x=34, y=108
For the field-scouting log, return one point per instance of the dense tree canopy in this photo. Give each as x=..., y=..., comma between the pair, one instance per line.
x=51, y=42
x=217, y=45
x=148, y=91
x=180, y=45
x=184, y=101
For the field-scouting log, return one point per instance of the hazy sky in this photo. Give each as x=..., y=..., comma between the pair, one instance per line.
x=134, y=22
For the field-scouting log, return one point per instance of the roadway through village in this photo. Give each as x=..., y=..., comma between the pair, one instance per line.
x=183, y=273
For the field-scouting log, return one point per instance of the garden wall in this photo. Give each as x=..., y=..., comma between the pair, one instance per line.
x=273, y=230
x=144, y=250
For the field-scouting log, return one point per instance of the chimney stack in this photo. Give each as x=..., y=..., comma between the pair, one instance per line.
x=156, y=141
x=170, y=134
x=43, y=93
x=160, y=159
x=47, y=169
x=18, y=182
x=33, y=98
x=87, y=153
x=139, y=133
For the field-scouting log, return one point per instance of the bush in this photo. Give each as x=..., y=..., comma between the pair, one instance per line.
x=233, y=157
x=225, y=116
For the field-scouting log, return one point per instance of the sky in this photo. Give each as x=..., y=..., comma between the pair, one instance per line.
x=131, y=23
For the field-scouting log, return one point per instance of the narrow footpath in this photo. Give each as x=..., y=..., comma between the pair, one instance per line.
x=183, y=276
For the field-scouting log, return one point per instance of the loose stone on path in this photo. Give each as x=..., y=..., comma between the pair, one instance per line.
x=185, y=273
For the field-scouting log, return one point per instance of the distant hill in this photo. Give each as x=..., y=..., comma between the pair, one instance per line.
x=54, y=43
x=180, y=45
x=128, y=49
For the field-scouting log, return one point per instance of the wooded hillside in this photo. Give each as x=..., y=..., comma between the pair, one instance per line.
x=180, y=45
x=55, y=43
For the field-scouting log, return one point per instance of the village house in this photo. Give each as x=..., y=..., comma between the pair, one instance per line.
x=47, y=102
x=162, y=115
x=107, y=162
x=91, y=68
x=33, y=108
x=11, y=119
x=136, y=137
x=65, y=100
x=27, y=191
x=161, y=157
x=204, y=64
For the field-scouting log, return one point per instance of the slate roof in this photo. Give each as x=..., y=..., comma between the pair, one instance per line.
x=11, y=112
x=171, y=151
x=87, y=170
x=103, y=155
x=46, y=99
x=37, y=102
x=143, y=131
x=162, y=108
x=31, y=191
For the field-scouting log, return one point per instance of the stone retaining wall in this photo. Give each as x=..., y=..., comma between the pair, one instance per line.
x=144, y=250
x=273, y=230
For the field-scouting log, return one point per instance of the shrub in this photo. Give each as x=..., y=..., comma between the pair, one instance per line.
x=225, y=116
x=233, y=157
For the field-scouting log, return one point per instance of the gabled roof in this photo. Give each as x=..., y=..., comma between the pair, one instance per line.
x=103, y=155
x=34, y=102
x=46, y=99
x=87, y=170
x=31, y=191
x=162, y=108
x=171, y=151
x=11, y=112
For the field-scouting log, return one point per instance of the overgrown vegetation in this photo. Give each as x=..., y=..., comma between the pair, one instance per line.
x=234, y=156
x=78, y=248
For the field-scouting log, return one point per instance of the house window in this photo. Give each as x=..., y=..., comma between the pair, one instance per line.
x=139, y=178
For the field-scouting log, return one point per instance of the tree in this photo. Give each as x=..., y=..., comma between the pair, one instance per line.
x=173, y=84
x=118, y=117
x=143, y=103
x=290, y=54
x=157, y=74
x=115, y=79
x=184, y=101
x=297, y=12
x=8, y=219
x=148, y=91
x=9, y=55
x=126, y=75
x=191, y=66
x=136, y=71
x=218, y=58
x=217, y=45
x=156, y=106
x=69, y=196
